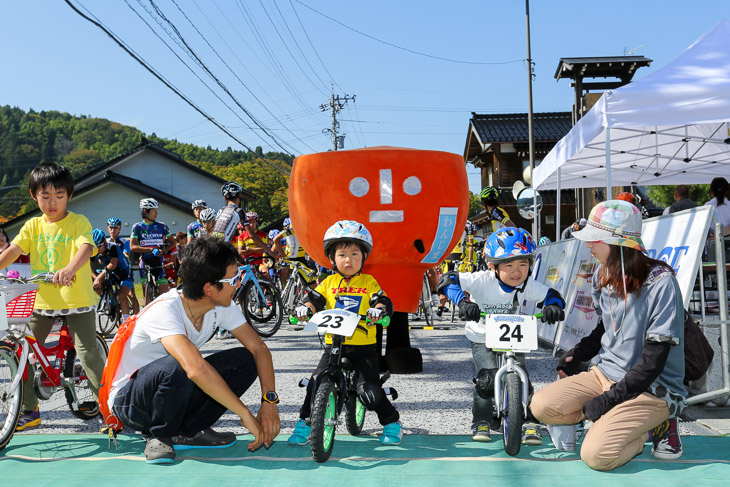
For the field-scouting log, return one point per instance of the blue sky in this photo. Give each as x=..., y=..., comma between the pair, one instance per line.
x=280, y=59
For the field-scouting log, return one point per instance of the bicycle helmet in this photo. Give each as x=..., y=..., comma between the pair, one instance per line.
x=231, y=190
x=273, y=233
x=98, y=237
x=199, y=203
x=148, y=204
x=207, y=215
x=114, y=222
x=489, y=193
x=508, y=244
x=544, y=241
x=347, y=231
x=286, y=222
x=252, y=215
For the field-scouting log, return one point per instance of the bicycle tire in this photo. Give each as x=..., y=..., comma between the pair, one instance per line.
x=513, y=414
x=10, y=401
x=149, y=292
x=107, y=319
x=354, y=415
x=265, y=320
x=324, y=420
x=73, y=368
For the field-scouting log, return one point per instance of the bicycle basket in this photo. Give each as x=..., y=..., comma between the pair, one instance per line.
x=19, y=301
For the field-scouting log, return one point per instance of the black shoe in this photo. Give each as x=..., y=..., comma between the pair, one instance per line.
x=208, y=438
x=159, y=450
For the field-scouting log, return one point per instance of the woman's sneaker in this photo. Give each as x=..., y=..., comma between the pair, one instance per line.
x=480, y=432
x=29, y=419
x=667, y=443
x=302, y=433
x=392, y=434
x=531, y=434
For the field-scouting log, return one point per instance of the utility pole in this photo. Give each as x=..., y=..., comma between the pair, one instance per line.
x=531, y=138
x=336, y=103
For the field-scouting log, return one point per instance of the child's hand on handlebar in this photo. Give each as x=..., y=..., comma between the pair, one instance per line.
x=64, y=277
x=374, y=314
x=552, y=314
x=302, y=312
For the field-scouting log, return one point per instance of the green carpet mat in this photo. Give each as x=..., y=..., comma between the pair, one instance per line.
x=70, y=460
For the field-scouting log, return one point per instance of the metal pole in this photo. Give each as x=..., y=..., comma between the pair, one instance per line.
x=557, y=216
x=609, y=195
x=535, y=231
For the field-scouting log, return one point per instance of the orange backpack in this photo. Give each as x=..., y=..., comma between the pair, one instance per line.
x=112, y=364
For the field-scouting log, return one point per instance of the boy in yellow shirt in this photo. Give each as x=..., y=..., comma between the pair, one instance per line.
x=58, y=241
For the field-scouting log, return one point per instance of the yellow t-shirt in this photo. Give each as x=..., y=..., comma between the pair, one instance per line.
x=51, y=246
x=354, y=295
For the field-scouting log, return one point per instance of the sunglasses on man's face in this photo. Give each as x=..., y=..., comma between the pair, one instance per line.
x=233, y=281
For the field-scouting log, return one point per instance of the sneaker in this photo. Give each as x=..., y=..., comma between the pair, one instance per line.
x=392, y=434
x=302, y=433
x=441, y=310
x=531, y=434
x=29, y=419
x=208, y=438
x=481, y=433
x=159, y=450
x=667, y=444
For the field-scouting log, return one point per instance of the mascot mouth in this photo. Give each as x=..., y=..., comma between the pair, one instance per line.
x=418, y=243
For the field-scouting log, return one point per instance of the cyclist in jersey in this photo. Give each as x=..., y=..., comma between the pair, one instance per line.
x=151, y=239
x=207, y=221
x=194, y=228
x=113, y=225
x=246, y=245
x=110, y=259
x=498, y=218
x=287, y=243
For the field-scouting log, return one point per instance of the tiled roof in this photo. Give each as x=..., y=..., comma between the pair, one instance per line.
x=512, y=127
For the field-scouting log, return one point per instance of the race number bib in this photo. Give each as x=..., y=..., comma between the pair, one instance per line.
x=511, y=332
x=334, y=322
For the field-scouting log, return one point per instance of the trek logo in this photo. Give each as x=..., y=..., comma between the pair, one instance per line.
x=351, y=290
x=349, y=303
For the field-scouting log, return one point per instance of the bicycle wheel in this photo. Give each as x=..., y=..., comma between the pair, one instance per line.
x=75, y=374
x=107, y=312
x=10, y=400
x=354, y=415
x=149, y=292
x=513, y=414
x=324, y=420
x=264, y=313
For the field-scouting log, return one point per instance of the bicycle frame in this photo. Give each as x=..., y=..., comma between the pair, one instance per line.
x=250, y=275
x=509, y=365
x=335, y=370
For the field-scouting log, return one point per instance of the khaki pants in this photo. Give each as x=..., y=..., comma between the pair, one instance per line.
x=83, y=331
x=617, y=436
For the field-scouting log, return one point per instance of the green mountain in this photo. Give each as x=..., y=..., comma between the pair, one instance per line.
x=82, y=142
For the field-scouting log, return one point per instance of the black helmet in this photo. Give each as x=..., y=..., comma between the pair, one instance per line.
x=231, y=190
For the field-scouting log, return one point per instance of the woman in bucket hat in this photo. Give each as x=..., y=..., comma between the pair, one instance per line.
x=633, y=390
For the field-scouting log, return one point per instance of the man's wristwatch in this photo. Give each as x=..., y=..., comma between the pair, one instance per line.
x=271, y=397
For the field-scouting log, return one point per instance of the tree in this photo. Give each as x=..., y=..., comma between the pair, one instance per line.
x=664, y=195
x=475, y=205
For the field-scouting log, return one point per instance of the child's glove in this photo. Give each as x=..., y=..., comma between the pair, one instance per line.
x=469, y=311
x=552, y=314
x=302, y=312
x=375, y=313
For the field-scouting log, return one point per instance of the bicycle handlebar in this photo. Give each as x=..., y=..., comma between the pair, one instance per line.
x=536, y=315
x=42, y=277
x=385, y=320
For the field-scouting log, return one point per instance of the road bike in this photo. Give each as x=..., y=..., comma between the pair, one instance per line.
x=506, y=335
x=109, y=310
x=426, y=306
x=260, y=302
x=335, y=388
x=296, y=286
x=57, y=366
x=150, y=290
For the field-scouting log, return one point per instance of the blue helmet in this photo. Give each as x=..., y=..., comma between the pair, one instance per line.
x=114, y=222
x=273, y=233
x=544, y=241
x=98, y=237
x=507, y=244
x=286, y=222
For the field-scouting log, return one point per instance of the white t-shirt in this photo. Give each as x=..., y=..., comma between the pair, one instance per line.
x=723, y=211
x=485, y=291
x=167, y=317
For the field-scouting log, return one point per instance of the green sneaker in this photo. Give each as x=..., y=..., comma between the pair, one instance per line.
x=302, y=434
x=481, y=433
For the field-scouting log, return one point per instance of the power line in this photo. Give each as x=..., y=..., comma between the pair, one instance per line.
x=401, y=47
x=169, y=85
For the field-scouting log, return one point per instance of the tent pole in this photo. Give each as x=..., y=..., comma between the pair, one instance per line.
x=609, y=194
x=557, y=212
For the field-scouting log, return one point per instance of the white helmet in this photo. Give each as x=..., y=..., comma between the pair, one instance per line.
x=148, y=204
x=199, y=203
x=207, y=215
x=348, y=231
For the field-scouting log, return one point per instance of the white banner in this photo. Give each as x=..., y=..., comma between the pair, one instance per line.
x=677, y=239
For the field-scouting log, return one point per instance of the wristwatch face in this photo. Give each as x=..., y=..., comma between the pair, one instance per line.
x=271, y=397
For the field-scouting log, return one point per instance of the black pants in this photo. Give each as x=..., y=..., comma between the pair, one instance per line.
x=364, y=359
x=160, y=401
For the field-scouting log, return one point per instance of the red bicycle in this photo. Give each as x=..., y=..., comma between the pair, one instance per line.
x=57, y=366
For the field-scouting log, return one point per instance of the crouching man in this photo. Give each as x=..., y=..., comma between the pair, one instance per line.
x=166, y=389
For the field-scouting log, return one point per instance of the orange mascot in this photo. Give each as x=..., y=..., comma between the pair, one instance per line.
x=413, y=202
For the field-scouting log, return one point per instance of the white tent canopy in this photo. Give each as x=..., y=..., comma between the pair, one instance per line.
x=672, y=127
